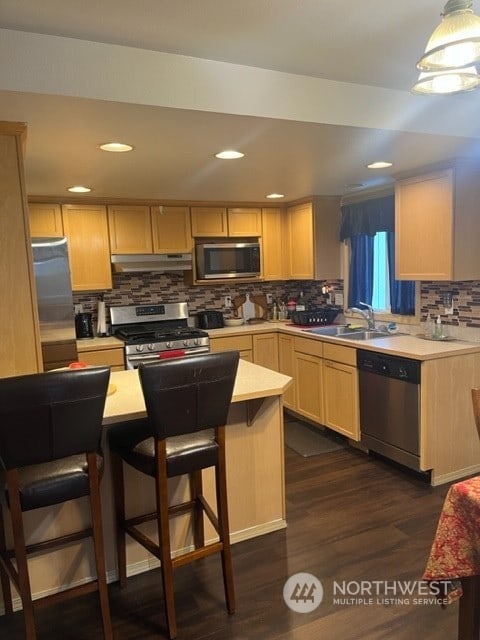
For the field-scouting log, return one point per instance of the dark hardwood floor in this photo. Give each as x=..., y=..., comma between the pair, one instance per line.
x=350, y=517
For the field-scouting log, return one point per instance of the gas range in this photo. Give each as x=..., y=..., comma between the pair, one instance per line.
x=156, y=331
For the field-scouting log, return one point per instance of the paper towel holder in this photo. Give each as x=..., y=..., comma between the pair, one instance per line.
x=101, y=318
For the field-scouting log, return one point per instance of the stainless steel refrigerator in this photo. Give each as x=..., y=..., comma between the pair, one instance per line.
x=55, y=302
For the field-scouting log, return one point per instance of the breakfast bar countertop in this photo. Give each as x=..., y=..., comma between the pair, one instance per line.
x=252, y=382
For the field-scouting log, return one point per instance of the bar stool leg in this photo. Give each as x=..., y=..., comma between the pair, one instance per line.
x=96, y=511
x=119, y=498
x=223, y=525
x=161, y=496
x=21, y=554
x=196, y=489
x=4, y=578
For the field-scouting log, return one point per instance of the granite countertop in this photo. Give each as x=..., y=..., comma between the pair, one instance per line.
x=409, y=346
x=252, y=381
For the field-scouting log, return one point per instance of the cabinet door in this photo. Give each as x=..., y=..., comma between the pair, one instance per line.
x=20, y=351
x=308, y=386
x=86, y=229
x=424, y=234
x=272, y=244
x=265, y=350
x=299, y=243
x=340, y=385
x=244, y=222
x=286, y=365
x=243, y=344
x=171, y=230
x=45, y=220
x=209, y=222
x=130, y=229
x=113, y=358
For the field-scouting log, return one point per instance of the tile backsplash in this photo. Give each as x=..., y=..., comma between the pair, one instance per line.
x=150, y=288
x=146, y=288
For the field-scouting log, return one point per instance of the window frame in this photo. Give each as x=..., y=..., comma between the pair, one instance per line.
x=380, y=317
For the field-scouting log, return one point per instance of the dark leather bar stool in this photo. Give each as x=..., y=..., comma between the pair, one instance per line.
x=187, y=401
x=50, y=430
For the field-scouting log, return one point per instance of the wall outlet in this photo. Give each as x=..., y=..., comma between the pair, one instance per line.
x=269, y=298
x=78, y=308
x=449, y=310
x=338, y=299
x=227, y=302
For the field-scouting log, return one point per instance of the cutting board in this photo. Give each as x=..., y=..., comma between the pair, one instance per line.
x=248, y=308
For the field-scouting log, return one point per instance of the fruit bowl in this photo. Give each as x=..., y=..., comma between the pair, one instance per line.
x=233, y=322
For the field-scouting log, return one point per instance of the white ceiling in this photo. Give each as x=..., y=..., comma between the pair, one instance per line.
x=309, y=90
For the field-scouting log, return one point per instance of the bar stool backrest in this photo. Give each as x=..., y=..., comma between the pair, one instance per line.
x=47, y=416
x=185, y=395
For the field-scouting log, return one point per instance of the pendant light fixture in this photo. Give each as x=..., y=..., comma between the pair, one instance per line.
x=453, y=50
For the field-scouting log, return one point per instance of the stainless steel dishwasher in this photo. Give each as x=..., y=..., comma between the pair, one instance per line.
x=389, y=388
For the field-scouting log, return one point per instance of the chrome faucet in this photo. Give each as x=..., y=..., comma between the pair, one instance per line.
x=367, y=314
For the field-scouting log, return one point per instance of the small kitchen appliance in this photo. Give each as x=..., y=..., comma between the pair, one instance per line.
x=210, y=319
x=83, y=325
x=156, y=331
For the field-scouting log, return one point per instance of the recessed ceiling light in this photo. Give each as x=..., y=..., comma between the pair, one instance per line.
x=381, y=164
x=354, y=185
x=229, y=154
x=79, y=189
x=115, y=147
x=275, y=195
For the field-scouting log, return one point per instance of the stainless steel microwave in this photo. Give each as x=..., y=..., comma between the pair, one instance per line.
x=217, y=260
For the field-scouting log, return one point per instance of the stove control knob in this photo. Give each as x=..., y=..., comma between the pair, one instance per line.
x=139, y=347
x=186, y=343
x=150, y=347
x=168, y=345
x=196, y=341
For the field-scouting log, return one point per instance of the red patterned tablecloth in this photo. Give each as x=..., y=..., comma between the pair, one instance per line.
x=456, y=548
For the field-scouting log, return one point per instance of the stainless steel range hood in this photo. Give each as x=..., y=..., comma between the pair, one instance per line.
x=153, y=262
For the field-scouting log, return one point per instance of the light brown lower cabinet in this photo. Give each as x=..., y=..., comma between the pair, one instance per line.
x=104, y=357
x=237, y=343
x=308, y=378
x=286, y=365
x=265, y=350
x=340, y=390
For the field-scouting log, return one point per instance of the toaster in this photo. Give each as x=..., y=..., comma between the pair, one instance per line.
x=210, y=319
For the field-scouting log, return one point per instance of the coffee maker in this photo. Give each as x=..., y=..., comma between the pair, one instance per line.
x=83, y=325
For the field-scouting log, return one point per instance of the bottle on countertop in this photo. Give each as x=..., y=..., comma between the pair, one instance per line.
x=429, y=326
x=274, y=311
x=439, y=333
x=291, y=306
x=300, y=302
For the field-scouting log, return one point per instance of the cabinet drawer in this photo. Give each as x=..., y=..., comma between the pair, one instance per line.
x=339, y=353
x=237, y=343
x=104, y=357
x=310, y=346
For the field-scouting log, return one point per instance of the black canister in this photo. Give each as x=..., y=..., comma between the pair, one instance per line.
x=83, y=325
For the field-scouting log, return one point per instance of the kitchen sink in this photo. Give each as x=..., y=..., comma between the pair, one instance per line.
x=369, y=335
x=351, y=334
x=332, y=330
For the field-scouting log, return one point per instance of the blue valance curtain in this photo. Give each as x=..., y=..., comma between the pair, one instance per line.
x=360, y=222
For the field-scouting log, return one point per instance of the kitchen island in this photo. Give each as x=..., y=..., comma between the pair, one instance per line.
x=255, y=479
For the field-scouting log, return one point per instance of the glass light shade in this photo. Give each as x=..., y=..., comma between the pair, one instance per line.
x=455, y=43
x=447, y=82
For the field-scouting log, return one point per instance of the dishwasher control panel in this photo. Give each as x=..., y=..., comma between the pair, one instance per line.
x=390, y=366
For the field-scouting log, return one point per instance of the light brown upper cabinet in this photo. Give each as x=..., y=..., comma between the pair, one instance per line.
x=130, y=229
x=20, y=350
x=244, y=222
x=144, y=229
x=171, y=230
x=272, y=243
x=45, y=220
x=437, y=224
x=209, y=222
x=86, y=229
x=312, y=245
x=219, y=222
